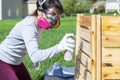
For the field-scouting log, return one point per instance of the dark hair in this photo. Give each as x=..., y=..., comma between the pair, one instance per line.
x=49, y=3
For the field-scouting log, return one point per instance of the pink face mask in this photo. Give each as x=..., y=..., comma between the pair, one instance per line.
x=43, y=23
x=48, y=20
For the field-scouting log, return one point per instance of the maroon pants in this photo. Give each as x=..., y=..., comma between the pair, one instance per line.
x=13, y=72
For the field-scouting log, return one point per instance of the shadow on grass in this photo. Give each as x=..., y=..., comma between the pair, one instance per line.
x=41, y=77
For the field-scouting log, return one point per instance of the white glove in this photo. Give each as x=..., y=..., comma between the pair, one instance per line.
x=67, y=43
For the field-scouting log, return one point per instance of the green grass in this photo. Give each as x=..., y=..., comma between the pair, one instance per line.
x=6, y=26
x=49, y=38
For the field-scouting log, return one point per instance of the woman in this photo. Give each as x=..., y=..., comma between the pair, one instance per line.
x=24, y=37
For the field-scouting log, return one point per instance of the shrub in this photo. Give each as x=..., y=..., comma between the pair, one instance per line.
x=116, y=11
x=96, y=11
x=101, y=9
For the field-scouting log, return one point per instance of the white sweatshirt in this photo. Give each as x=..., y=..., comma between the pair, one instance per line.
x=23, y=39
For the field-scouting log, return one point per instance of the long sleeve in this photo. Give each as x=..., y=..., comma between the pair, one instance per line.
x=29, y=34
x=24, y=37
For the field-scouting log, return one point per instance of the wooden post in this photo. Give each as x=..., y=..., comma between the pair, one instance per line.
x=99, y=47
x=93, y=46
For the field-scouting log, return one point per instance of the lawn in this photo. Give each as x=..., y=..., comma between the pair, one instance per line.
x=49, y=39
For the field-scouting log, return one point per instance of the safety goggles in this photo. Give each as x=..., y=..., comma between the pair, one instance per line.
x=53, y=17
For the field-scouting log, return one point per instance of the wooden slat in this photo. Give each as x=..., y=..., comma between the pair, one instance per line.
x=110, y=26
x=85, y=47
x=80, y=78
x=111, y=31
x=111, y=39
x=111, y=73
x=85, y=60
x=77, y=69
x=77, y=65
x=115, y=64
x=84, y=73
x=111, y=63
x=85, y=21
x=111, y=55
x=85, y=34
x=111, y=23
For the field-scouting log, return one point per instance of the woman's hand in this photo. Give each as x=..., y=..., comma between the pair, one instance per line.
x=67, y=43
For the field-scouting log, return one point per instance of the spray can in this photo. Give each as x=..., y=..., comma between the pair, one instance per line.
x=68, y=55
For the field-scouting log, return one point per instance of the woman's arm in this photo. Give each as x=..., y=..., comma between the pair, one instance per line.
x=31, y=44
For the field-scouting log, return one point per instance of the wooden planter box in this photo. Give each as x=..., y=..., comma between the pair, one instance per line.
x=97, y=48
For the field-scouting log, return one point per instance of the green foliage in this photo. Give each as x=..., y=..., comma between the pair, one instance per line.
x=82, y=7
x=68, y=6
x=116, y=11
x=75, y=6
x=93, y=1
x=96, y=11
x=100, y=9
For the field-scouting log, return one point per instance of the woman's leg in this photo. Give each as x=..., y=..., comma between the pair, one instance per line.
x=21, y=72
x=6, y=72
